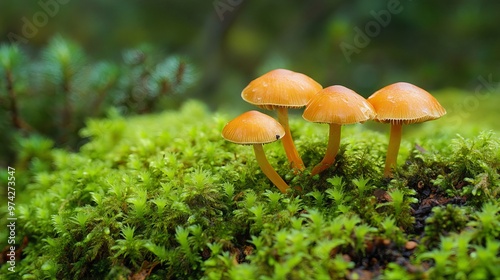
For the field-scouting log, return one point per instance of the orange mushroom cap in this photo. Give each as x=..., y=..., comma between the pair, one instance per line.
x=339, y=105
x=280, y=88
x=405, y=103
x=253, y=127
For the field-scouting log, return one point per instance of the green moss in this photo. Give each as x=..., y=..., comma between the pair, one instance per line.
x=165, y=195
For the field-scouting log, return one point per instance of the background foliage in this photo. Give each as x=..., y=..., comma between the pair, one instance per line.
x=432, y=44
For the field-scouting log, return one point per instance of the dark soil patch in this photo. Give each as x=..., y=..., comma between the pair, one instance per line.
x=429, y=198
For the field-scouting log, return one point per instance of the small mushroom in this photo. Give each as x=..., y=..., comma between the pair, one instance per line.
x=336, y=106
x=255, y=128
x=280, y=90
x=398, y=104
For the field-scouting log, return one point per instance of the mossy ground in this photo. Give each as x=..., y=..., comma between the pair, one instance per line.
x=164, y=196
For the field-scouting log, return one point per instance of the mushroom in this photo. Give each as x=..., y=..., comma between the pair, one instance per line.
x=398, y=104
x=336, y=106
x=281, y=89
x=255, y=128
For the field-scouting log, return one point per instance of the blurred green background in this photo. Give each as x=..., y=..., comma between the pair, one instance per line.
x=434, y=44
x=448, y=47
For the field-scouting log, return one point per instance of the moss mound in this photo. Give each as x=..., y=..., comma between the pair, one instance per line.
x=165, y=197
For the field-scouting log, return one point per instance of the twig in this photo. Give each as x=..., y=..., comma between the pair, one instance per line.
x=66, y=113
x=17, y=121
x=13, y=103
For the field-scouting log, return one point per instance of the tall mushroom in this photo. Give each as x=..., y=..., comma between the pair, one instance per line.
x=255, y=128
x=402, y=103
x=280, y=90
x=336, y=106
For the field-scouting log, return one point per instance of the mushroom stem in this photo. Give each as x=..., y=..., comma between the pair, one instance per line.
x=288, y=145
x=393, y=148
x=268, y=169
x=331, y=150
